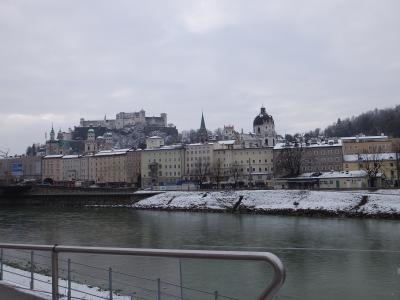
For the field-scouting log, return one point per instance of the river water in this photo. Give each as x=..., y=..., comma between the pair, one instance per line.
x=325, y=258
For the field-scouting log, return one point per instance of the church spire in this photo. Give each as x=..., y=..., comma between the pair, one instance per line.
x=203, y=134
x=202, y=124
x=52, y=134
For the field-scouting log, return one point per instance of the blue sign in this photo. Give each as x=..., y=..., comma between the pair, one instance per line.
x=16, y=169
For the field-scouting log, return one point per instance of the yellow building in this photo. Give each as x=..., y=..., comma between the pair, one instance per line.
x=162, y=166
x=244, y=166
x=384, y=163
x=199, y=159
x=110, y=166
x=366, y=144
x=52, y=167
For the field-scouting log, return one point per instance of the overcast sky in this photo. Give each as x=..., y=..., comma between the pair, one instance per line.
x=308, y=62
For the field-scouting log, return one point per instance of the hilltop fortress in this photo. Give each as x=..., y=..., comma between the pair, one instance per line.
x=123, y=119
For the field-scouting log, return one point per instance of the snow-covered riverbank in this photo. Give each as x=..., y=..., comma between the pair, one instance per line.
x=383, y=203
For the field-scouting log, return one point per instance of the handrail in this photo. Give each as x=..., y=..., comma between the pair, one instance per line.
x=269, y=291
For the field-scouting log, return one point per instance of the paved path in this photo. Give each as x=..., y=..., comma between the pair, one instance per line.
x=8, y=292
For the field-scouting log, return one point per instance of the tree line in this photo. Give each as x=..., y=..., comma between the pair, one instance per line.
x=374, y=122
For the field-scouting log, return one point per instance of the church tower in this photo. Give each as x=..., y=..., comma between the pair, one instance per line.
x=52, y=133
x=202, y=133
x=264, y=128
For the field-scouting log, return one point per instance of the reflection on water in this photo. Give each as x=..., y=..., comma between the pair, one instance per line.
x=312, y=273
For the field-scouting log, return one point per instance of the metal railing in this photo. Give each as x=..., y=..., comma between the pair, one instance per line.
x=268, y=292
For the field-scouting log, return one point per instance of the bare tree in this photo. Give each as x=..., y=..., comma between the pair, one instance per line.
x=217, y=172
x=236, y=173
x=396, y=150
x=372, y=164
x=288, y=161
x=4, y=153
x=201, y=172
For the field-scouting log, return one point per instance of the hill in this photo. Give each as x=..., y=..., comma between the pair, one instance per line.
x=374, y=122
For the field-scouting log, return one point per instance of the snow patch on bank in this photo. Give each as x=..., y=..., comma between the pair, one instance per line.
x=379, y=202
x=20, y=279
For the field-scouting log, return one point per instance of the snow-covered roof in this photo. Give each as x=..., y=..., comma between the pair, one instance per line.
x=169, y=147
x=227, y=142
x=155, y=137
x=369, y=157
x=53, y=156
x=70, y=156
x=112, y=152
x=365, y=137
x=330, y=143
x=343, y=174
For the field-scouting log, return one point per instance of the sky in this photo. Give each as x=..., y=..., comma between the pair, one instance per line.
x=308, y=62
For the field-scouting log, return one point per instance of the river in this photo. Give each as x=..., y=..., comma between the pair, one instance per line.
x=325, y=258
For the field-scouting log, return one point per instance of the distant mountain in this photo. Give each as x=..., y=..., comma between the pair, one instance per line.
x=373, y=122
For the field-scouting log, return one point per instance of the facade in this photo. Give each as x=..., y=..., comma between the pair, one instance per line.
x=291, y=159
x=367, y=144
x=21, y=167
x=378, y=163
x=133, y=160
x=199, y=162
x=154, y=142
x=52, y=168
x=327, y=180
x=243, y=166
x=162, y=166
x=72, y=170
x=111, y=166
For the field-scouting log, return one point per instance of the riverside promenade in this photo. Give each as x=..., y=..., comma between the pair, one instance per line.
x=12, y=293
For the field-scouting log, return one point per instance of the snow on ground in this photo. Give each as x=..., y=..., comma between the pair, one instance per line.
x=379, y=202
x=42, y=286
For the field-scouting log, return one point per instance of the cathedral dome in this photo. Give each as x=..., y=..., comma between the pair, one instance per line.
x=262, y=118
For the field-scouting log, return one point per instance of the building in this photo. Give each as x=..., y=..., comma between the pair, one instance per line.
x=20, y=167
x=327, y=180
x=241, y=167
x=199, y=162
x=154, y=142
x=90, y=143
x=52, y=168
x=362, y=144
x=291, y=159
x=123, y=119
x=162, y=166
x=133, y=161
x=110, y=166
x=72, y=170
x=264, y=128
x=385, y=164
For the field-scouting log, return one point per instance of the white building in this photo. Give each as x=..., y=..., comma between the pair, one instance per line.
x=154, y=142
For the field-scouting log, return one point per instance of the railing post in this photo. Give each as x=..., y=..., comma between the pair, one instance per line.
x=158, y=289
x=1, y=264
x=69, y=279
x=216, y=295
x=32, y=270
x=110, y=282
x=180, y=277
x=54, y=274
